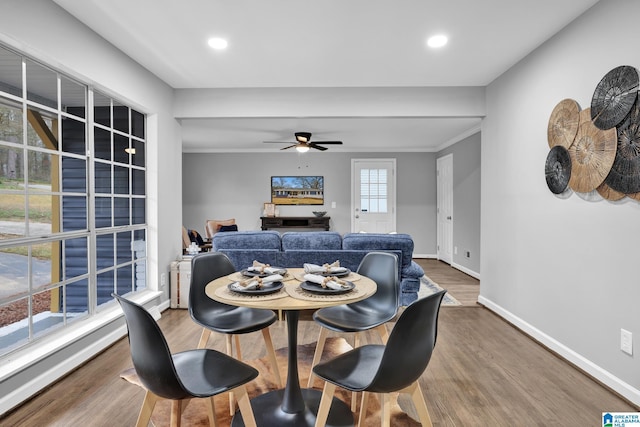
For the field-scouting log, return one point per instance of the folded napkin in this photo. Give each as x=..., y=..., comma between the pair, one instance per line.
x=255, y=283
x=327, y=282
x=259, y=267
x=325, y=268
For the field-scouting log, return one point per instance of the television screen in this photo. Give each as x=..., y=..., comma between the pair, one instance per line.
x=297, y=190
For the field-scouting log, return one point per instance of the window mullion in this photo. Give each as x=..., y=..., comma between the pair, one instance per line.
x=91, y=208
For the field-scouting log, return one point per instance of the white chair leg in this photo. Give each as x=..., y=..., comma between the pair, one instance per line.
x=317, y=355
x=272, y=356
x=325, y=404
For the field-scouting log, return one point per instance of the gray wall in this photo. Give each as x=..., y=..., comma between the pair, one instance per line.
x=466, y=202
x=562, y=269
x=222, y=185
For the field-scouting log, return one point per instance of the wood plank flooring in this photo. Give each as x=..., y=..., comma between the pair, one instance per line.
x=483, y=372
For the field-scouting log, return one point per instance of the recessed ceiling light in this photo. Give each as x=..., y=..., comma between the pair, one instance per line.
x=438, y=40
x=218, y=43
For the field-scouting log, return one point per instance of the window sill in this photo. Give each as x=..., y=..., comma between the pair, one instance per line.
x=21, y=359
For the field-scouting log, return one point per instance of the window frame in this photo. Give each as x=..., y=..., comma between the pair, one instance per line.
x=137, y=263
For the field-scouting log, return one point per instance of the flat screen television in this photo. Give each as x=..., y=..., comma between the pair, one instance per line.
x=297, y=190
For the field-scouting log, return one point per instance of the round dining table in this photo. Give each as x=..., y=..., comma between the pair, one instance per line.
x=293, y=405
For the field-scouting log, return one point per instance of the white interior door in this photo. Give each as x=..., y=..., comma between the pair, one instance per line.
x=373, y=195
x=444, y=168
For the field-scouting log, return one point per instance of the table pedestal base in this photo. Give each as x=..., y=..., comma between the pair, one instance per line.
x=267, y=409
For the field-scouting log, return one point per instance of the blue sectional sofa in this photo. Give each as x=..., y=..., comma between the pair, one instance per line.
x=293, y=249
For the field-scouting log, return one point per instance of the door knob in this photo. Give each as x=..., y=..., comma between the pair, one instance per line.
x=357, y=216
x=448, y=217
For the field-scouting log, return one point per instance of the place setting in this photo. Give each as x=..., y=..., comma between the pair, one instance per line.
x=257, y=281
x=260, y=270
x=327, y=270
x=322, y=282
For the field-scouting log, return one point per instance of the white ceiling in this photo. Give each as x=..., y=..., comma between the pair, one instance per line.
x=326, y=44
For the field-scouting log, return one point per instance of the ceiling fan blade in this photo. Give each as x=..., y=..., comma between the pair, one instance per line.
x=317, y=147
x=329, y=142
x=291, y=146
x=276, y=142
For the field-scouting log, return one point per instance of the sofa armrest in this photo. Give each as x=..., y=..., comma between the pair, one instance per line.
x=412, y=270
x=381, y=242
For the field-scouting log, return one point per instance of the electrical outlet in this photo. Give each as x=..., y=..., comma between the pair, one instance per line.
x=467, y=254
x=333, y=205
x=163, y=279
x=626, y=341
x=455, y=250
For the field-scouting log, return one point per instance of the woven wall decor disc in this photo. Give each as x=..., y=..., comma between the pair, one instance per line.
x=557, y=169
x=625, y=171
x=592, y=154
x=609, y=193
x=563, y=123
x=634, y=196
x=614, y=96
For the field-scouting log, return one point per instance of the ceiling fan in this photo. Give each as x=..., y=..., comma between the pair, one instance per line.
x=303, y=143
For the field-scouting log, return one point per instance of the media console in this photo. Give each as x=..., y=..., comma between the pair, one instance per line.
x=269, y=222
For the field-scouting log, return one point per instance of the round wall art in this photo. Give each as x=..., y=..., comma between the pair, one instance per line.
x=563, y=123
x=592, y=154
x=625, y=171
x=614, y=96
x=558, y=169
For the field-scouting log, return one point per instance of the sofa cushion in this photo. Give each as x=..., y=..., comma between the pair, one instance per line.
x=381, y=242
x=297, y=258
x=316, y=240
x=267, y=239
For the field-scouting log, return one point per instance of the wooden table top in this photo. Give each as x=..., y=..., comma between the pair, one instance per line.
x=290, y=297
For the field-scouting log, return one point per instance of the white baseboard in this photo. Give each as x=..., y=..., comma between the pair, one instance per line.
x=619, y=386
x=465, y=270
x=426, y=256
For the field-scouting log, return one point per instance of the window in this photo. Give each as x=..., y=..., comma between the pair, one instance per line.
x=373, y=190
x=72, y=200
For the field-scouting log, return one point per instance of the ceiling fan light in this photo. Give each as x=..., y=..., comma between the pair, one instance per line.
x=302, y=148
x=217, y=43
x=439, y=40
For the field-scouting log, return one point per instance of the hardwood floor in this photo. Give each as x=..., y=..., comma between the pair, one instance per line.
x=483, y=372
x=462, y=286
